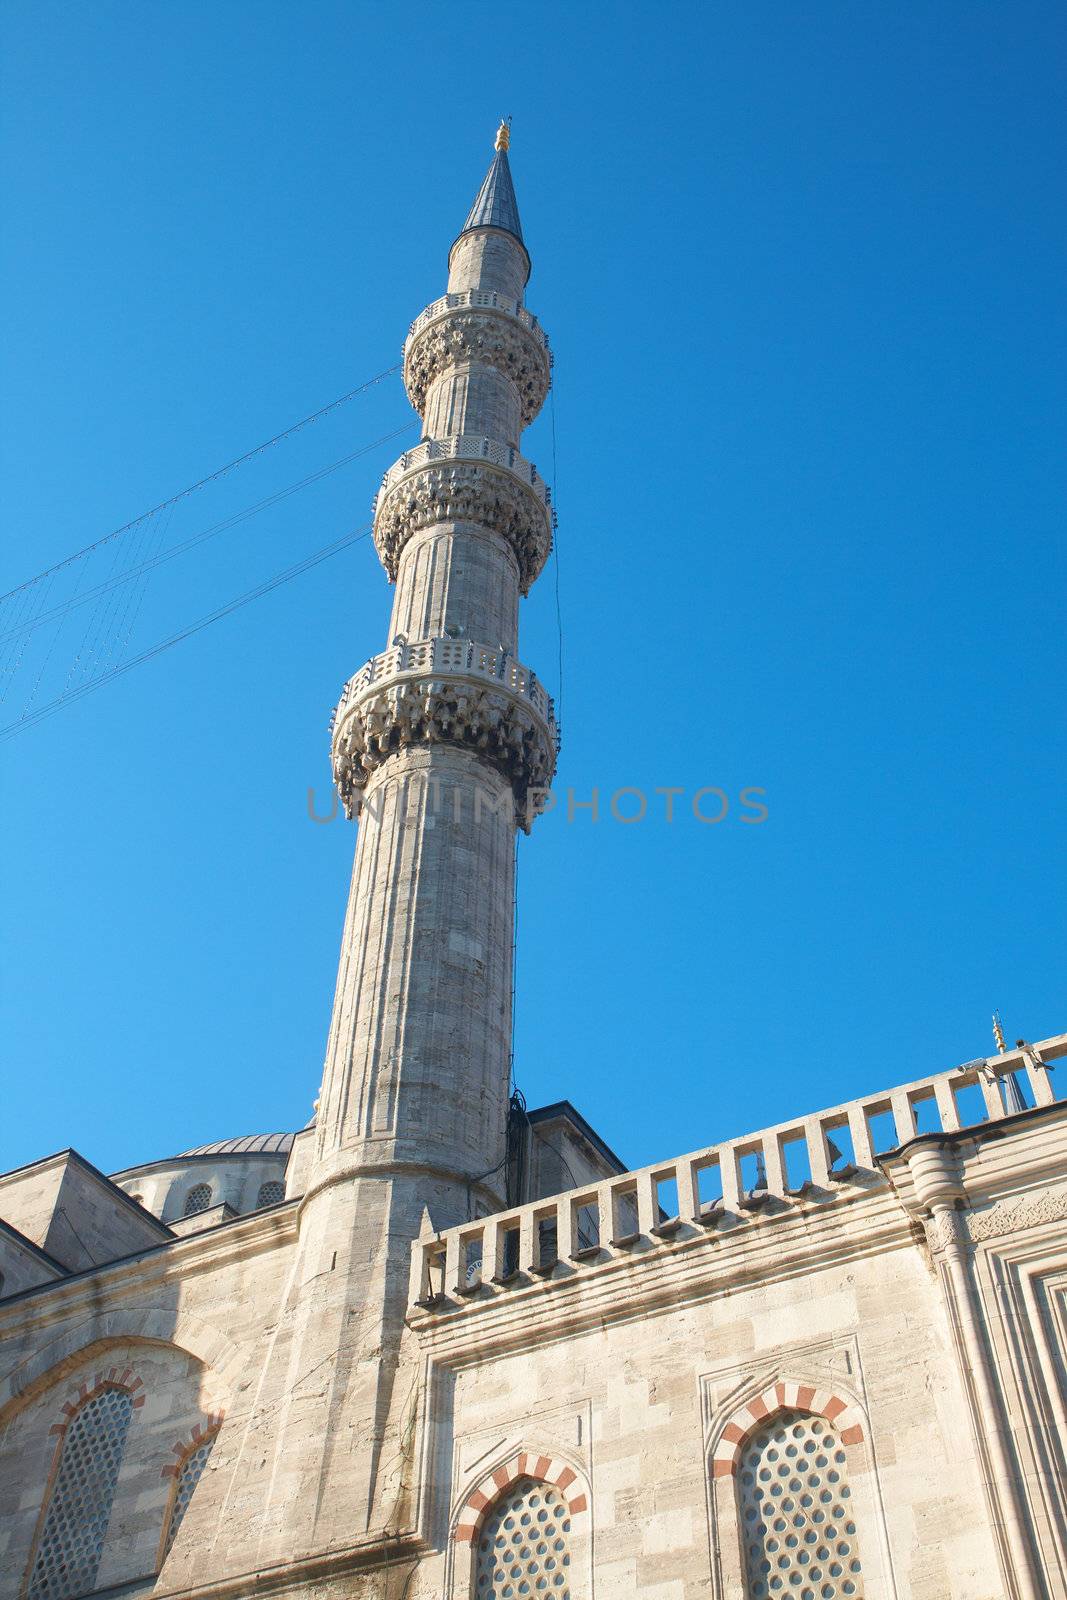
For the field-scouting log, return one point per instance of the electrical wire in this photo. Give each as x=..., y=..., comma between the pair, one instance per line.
x=82, y=689
x=555, y=556
x=212, y=477
x=61, y=611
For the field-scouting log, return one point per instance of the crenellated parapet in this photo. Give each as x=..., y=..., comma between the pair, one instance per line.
x=445, y=691
x=482, y=327
x=470, y=479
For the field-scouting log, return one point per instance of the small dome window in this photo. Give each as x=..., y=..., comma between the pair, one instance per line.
x=270, y=1193
x=198, y=1199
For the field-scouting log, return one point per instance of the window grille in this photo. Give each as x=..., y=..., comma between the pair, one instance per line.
x=72, y=1539
x=188, y=1478
x=198, y=1199
x=523, y=1545
x=270, y=1193
x=799, y=1536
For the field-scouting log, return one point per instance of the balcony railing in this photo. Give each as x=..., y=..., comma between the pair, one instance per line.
x=454, y=658
x=466, y=447
x=815, y=1159
x=486, y=299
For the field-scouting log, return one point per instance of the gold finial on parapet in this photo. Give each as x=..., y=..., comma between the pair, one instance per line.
x=998, y=1034
x=503, y=134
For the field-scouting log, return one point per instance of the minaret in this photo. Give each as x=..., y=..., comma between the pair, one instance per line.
x=440, y=746
x=441, y=743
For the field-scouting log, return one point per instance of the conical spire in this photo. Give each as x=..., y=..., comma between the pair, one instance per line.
x=496, y=206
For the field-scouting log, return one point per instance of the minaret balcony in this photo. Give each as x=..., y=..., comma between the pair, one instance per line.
x=465, y=478
x=478, y=325
x=451, y=691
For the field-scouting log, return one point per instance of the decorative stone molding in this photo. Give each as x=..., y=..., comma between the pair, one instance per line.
x=526, y=1464
x=465, y=479
x=492, y=337
x=944, y=1227
x=445, y=691
x=1010, y=1216
x=785, y=1395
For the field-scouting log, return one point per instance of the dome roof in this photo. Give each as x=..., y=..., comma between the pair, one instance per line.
x=251, y=1144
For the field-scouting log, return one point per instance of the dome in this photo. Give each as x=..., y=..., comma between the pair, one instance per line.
x=251, y=1144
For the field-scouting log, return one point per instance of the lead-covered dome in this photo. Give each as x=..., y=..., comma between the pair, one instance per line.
x=250, y=1144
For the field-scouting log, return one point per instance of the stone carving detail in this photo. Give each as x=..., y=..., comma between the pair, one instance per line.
x=944, y=1228
x=491, y=337
x=1009, y=1216
x=465, y=491
x=496, y=724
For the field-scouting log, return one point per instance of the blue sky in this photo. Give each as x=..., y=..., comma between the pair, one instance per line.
x=802, y=272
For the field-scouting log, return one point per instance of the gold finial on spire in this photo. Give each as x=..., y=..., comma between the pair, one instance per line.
x=503, y=134
x=998, y=1034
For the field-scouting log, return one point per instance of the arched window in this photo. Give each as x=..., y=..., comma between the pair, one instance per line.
x=523, y=1545
x=270, y=1193
x=198, y=1199
x=796, y=1518
x=72, y=1539
x=193, y=1464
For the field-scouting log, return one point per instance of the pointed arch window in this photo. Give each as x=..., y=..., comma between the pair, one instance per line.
x=523, y=1545
x=189, y=1473
x=797, y=1526
x=79, y=1509
x=198, y=1199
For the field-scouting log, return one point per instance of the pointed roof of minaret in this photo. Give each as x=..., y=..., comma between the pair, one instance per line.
x=496, y=206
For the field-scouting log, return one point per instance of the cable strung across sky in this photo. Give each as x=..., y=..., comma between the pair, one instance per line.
x=299, y=567
x=56, y=672
x=212, y=477
x=57, y=613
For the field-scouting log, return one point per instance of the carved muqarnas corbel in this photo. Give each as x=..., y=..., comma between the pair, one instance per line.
x=465, y=491
x=493, y=723
x=491, y=337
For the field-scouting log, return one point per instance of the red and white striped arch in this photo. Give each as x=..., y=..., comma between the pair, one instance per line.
x=88, y=1389
x=198, y=1434
x=787, y=1394
x=526, y=1464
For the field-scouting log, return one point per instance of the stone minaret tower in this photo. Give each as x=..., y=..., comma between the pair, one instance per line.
x=439, y=741
x=440, y=746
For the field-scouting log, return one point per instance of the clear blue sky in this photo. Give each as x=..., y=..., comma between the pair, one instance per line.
x=802, y=269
